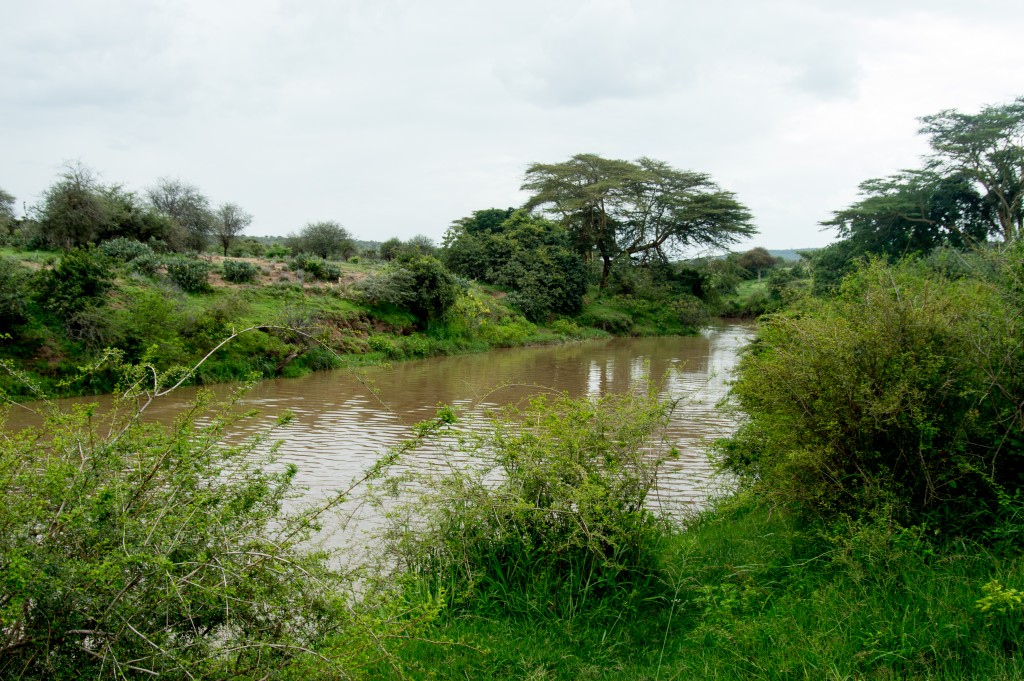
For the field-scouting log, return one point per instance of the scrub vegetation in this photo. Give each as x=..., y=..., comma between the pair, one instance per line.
x=873, y=528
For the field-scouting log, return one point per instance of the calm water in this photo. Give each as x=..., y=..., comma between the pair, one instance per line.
x=341, y=424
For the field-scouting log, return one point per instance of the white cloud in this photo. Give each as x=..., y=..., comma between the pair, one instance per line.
x=396, y=117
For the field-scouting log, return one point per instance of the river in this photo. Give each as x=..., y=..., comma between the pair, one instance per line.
x=344, y=419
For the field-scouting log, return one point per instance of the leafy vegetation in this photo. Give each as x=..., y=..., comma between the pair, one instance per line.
x=131, y=549
x=566, y=529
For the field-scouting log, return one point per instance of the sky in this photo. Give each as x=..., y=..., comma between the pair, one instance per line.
x=397, y=117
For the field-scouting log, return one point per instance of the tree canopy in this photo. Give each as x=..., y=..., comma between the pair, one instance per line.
x=326, y=239
x=639, y=210
x=529, y=255
x=187, y=207
x=230, y=221
x=988, y=148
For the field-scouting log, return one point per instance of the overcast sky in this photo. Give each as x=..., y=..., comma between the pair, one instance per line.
x=396, y=117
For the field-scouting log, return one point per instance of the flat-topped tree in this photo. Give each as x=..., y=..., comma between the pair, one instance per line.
x=987, y=147
x=644, y=209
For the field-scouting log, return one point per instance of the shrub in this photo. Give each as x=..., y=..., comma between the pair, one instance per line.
x=147, y=265
x=240, y=271
x=134, y=550
x=902, y=391
x=386, y=346
x=552, y=514
x=318, y=268
x=14, y=291
x=277, y=251
x=124, y=249
x=80, y=279
x=190, y=274
x=421, y=285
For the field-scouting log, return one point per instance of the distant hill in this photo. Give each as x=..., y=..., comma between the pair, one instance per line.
x=789, y=254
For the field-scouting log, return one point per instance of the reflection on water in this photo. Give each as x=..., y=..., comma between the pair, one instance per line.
x=343, y=420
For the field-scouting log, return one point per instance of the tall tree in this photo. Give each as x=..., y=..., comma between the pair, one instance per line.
x=913, y=212
x=582, y=192
x=327, y=239
x=757, y=260
x=7, y=220
x=644, y=209
x=187, y=207
x=73, y=211
x=230, y=222
x=988, y=148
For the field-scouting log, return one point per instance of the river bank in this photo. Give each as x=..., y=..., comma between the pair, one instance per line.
x=298, y=326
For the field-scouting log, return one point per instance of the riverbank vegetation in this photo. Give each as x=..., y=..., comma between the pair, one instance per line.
x=95, y=266
x=872, y=529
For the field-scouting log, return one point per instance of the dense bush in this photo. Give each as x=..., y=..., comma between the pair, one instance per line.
x=316, y=267
x=551, y=513
x=190, y=274
x=421, y=285
x=125, y=249
x=147, y=265
x=902, y=392
x=240, y=271
x=133, y=550
x=14, y=292
x=80, y=279
x=530, y=256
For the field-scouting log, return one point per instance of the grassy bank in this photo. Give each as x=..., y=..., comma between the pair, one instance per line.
x=750, y=591
x=300, y=323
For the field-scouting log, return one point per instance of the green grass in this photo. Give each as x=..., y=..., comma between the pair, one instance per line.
x=753, y=594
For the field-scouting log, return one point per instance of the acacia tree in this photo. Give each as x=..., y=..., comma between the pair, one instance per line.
x=230, y=222
x=757, y=260
x=912, y=212
x=73, y=211
x=988, y=148
x=327, y=239
x=187, y=207
x=643, y=209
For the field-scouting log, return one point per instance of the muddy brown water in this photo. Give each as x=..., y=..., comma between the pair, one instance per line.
x=341, y=425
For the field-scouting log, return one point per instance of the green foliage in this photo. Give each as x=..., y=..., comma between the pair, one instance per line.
x=147, y=265
x=901, y=392
x=550, y=519
x=190, y=274
x=73, y=211
x=529, y=256
x=643, y=209
x=325, y=239
x=316, y=267
x=188, y=210
x=124, y=249
x=131, y=550
x=986, y=148
x=277, y=251
x=757, y=260
x=14, y=292
x=79, y=280
x=421, y=285
x=240, y=271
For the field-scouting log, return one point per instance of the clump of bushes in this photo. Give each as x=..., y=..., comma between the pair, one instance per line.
x=240, y=271
x=124, y=249
x=553, y=511
x=422, y=285
x=135, y=550
x=901, y=395
x=190, y=274
x=147, y=265
x=316, y=267
x=14, y=291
